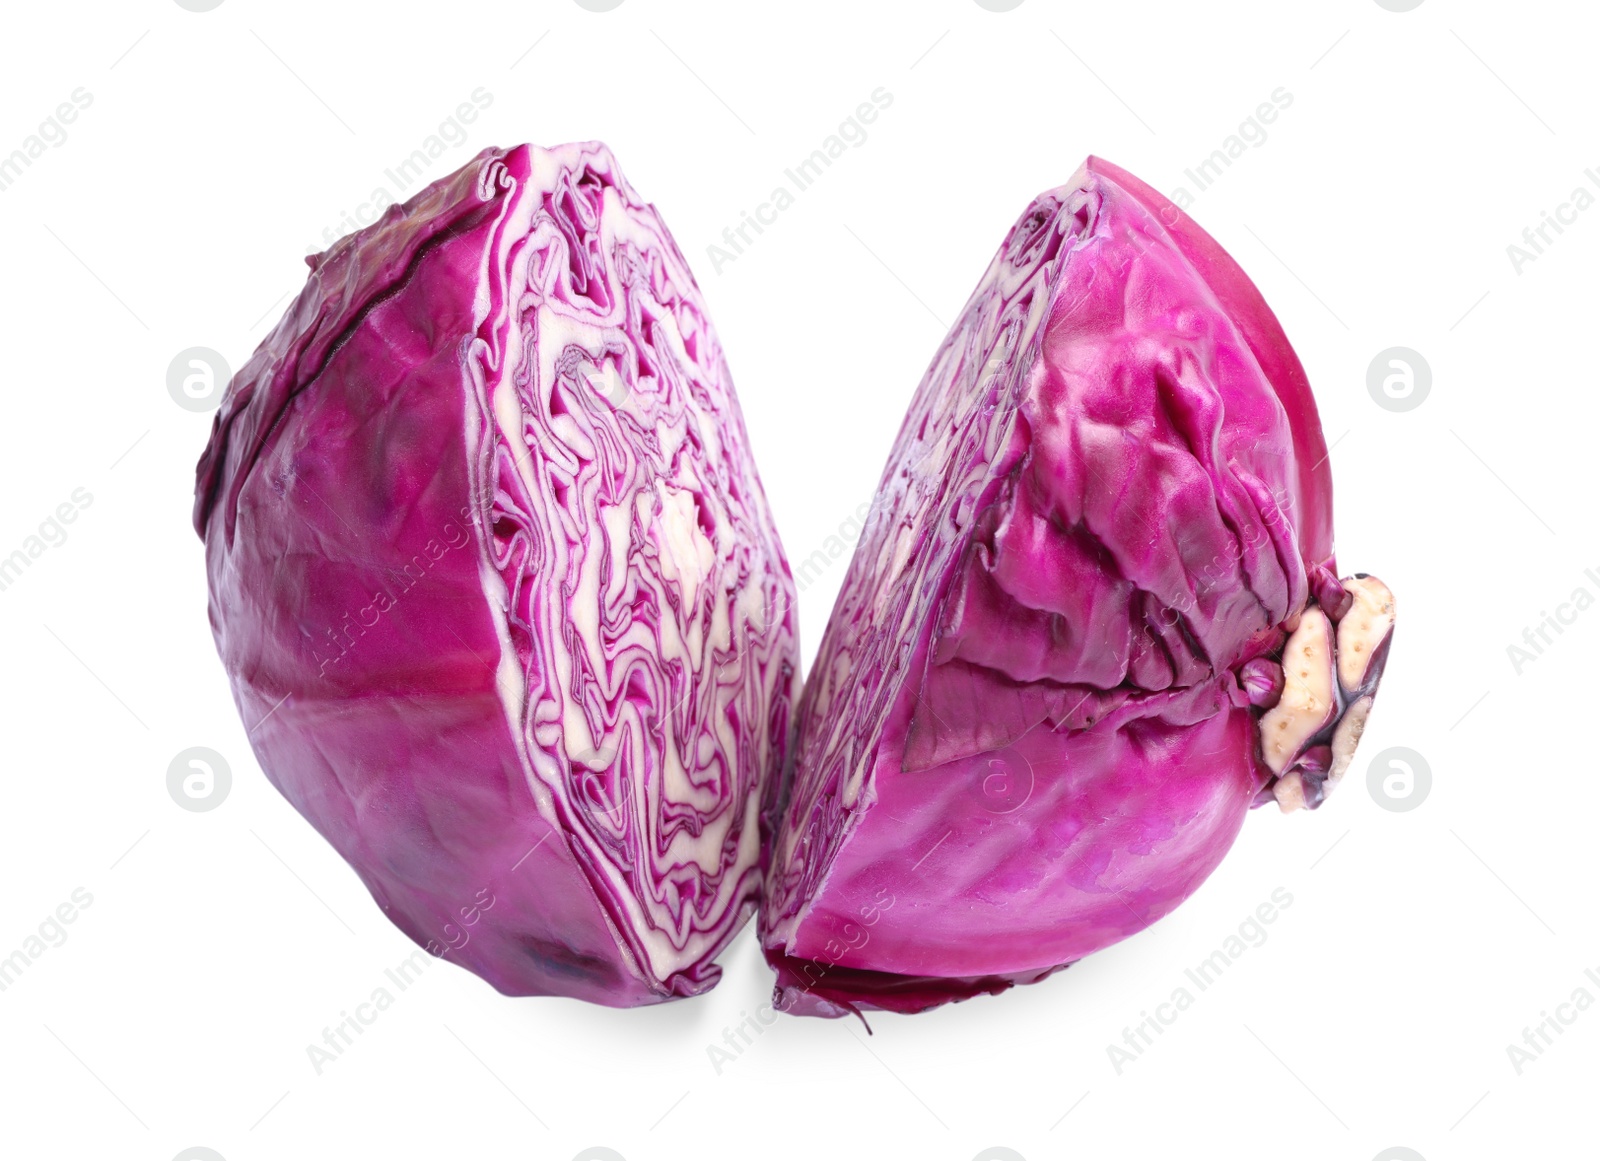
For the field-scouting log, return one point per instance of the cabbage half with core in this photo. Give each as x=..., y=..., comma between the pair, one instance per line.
x=496, y=584
x=1093, y=618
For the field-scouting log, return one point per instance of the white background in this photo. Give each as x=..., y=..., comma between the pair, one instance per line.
x=1419, y=945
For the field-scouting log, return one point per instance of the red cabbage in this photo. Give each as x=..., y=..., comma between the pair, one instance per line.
x=497, y=587
x=1094, y=617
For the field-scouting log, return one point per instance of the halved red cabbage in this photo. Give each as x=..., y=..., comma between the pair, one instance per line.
x=497, y=587
x=1093, y=618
